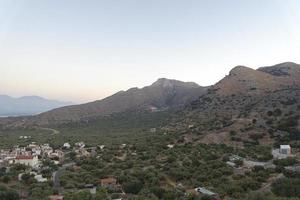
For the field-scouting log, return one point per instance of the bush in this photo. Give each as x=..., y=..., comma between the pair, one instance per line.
x=7, y=194
x=287, y=187
x=277, y=112
x=270, y=113
x=133, y=187
x=6, y=179
x=285, y=162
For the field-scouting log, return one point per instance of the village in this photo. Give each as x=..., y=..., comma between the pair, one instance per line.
x=37, y=158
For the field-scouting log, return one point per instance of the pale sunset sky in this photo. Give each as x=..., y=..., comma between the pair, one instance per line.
x=84, y=50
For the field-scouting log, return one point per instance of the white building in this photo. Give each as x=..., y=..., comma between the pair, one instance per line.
x=36, y=152
x=80, y=144
x=153, y=130
x=205, y=191
x=31, y=161
x=283, y=152
x=67, y=145
x=40, y=179
x=285, y=149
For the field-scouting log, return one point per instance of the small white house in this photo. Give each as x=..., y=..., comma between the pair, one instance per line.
x=101, y=147
x=285, y=149
x=67, y=145
x=80, y=144
x=205, y=191
x=153, y=130
x=231, y=164
x=40, y=179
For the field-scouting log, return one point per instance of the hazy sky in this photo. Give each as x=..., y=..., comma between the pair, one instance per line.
x=82, y=50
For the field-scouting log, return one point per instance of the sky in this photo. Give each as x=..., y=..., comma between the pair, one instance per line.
x=81, y=51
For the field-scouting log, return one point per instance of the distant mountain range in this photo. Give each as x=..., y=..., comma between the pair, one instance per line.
x=161, y=95
x=27, y=105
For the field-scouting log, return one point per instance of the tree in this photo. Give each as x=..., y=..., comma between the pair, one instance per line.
x=7, y=194
x=287, y=187
x=27, y=178
x=285, y=162
x=40, y=191
x=81, y=195
x=133, y=187
x=101, y=195
x=6, y=179
x=2, y=171
x=72, y=155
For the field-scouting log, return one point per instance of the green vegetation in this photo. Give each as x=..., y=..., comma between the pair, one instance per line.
x=146, y=168
x=8, y=194
x=285, y=162
x=287, y=187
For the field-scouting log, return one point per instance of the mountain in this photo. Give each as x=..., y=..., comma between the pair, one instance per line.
x=246, y=102
x=254, y=101
x=243, y=80
x=161, y=95
x=27, y=105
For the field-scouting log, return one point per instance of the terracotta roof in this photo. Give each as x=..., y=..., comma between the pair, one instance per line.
x=22, y=157
x=108, y=181
x=56, y=197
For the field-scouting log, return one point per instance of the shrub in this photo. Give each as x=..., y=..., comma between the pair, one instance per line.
x=287, y=187
x=133, y=187
x=285, y=162
x=7, y=194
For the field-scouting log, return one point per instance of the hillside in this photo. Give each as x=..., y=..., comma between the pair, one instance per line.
x=27, y=105
x=242, y=80
x=246, y=106
x=161, y=95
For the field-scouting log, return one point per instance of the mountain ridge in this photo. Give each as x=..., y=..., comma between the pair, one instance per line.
x=243, y=85
x=162, y=94
x=27, y=105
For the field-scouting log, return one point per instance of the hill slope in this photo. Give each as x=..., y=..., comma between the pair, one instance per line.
x=247, y=102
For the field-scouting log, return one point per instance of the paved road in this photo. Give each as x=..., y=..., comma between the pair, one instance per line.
x=57, y=174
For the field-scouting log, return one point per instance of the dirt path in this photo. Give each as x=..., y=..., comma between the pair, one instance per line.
x=267, y=186
x=54, y=132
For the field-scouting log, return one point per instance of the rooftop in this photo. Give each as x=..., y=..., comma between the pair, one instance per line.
x=23, y=157
x=285, y=146
x=108, y=181
x=205, y=191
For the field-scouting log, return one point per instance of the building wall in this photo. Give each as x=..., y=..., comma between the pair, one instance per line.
x=29, y=162
x=285, y=151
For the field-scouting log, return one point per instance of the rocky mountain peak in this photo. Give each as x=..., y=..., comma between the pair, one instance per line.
x=282, y=69
x=165, y=83
x=239, y=70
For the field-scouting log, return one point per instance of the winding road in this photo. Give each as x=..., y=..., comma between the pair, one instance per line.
x=57, y=174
